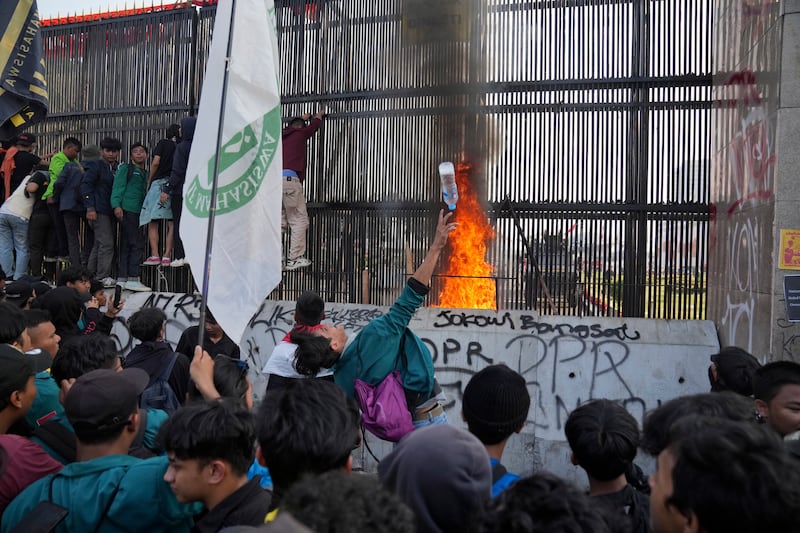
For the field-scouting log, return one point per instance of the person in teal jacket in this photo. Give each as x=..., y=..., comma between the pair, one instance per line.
x=107, y=490
x=127, y=197
x=385, y=344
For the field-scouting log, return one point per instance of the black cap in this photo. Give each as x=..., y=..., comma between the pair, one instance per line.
x=102, y=400
x=26, y=139
x=18, y=292
x=16, y=369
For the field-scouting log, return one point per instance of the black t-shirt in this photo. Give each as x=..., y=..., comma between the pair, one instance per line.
x=225, y=346
x=165, y=149
x=42, y=179
x=23, y=165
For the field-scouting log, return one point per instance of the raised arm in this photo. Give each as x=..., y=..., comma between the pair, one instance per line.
x=425, y=270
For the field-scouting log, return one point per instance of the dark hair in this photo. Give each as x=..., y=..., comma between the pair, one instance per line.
x=297, y=121
x=604, y=437
x=95, y=286
x=36, y=317
x=769, y=379
x=71, y=141
x=337, y=501
x=656, y=426
x=735, y=368
x=72, y=274
x=12, y=323
x=138, y=144
x=309, y=309
x=146, y=323
x=313, y=353
x=733, y=476
x=173, y=131
x=304, y=428
x=81, y=354
x=542, y=503
x=230, y=379
x=110, y=143
x=211, y=430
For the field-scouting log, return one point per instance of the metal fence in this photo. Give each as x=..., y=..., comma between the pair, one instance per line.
x=588, y=119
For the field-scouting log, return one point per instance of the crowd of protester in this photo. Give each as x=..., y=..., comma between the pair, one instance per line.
x=82, y=207
x=162, y=439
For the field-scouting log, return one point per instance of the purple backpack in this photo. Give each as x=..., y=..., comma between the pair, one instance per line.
x=384, y=410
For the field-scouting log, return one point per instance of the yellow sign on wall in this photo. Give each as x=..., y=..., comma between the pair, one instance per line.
x=790, y=249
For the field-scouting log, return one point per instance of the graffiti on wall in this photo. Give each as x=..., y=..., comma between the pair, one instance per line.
x=752, y=157
x=565, y=361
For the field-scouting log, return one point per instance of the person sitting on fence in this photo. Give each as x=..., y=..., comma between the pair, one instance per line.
x=385, y=344
x=127, y=197
x=309, y=311
x=154, y=209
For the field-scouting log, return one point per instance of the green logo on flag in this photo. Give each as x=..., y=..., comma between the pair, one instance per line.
x=243, y=164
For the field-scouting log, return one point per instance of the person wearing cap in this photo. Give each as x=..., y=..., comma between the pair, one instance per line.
x=20, y=293
x=70, y=204
x=96, y=190
x=293, y=209
x=733, y=369
x=106, y=489
x=495, y=406
x=18, y=162
x=15, y=215
x=17, y=386
x=127, y=197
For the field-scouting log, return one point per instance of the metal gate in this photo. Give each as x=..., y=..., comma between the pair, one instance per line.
x=587, y=120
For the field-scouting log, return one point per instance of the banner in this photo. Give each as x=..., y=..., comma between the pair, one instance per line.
x=23, y=89
x=246, y=251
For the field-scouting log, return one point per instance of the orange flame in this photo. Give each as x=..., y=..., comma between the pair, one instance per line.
x=467, y=284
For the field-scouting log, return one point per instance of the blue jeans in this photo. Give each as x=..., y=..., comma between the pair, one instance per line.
x=435, y=421
x=13, y=238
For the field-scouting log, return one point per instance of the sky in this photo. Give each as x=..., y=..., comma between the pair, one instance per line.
x=52, y=8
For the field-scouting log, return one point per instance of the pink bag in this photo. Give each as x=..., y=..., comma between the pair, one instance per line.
x=384, y=410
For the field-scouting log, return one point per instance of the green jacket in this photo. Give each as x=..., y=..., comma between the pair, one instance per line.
x=128, y=193
x=57, y=163
x=112, y=493
x=373, y=354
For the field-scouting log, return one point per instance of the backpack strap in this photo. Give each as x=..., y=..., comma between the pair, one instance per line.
x=59, y=438
x=498, y=471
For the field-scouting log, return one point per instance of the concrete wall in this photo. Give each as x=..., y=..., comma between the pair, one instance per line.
x=565, y=361
x=754, y=190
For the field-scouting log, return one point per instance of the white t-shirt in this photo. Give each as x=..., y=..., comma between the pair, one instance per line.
x=17, y=204
x=281, y=362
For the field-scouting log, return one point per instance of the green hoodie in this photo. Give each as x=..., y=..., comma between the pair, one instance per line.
x=128, y=193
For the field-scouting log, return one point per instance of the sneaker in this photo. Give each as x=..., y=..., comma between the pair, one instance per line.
x=136, y=286
x=109, y=282
x=165, y=261
x=50, y=259
x=179, y=263
x=152, y=260
x=62, y=259
x=294, y=264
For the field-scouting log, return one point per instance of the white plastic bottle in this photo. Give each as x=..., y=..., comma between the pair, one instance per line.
x=447, y=173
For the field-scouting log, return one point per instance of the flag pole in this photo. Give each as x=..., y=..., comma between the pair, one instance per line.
x=212, y=208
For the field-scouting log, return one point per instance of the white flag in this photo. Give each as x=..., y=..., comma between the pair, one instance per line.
x=246, y=251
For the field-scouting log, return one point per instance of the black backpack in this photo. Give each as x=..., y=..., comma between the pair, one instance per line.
x=61, y=440
x=159, y=393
